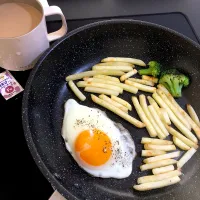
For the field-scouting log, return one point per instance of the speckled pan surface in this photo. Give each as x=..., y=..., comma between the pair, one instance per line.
x=46, y=92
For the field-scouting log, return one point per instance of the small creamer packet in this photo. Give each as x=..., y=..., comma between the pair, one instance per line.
x=9, y=87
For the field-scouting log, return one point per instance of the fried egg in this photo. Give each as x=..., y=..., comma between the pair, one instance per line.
x=100, y=146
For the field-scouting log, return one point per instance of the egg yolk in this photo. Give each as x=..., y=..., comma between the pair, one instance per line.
x=93, y=147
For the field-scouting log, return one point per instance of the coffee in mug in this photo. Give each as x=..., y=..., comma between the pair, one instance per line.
x=18, y=19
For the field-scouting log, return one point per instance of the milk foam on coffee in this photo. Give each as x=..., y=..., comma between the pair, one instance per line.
x=17, y=19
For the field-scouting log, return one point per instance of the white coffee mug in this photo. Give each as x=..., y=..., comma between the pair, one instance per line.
x=21, y=53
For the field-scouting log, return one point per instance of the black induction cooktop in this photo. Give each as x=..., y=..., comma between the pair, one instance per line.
x=21, y=179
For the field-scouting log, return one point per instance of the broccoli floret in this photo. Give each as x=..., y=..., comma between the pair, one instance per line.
x=153, y=70
x=174, y=81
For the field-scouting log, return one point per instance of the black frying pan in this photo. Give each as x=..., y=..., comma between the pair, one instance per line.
x=46, y=92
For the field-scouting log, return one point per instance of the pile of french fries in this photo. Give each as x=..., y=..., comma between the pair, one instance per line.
x=157, y=113
x=161, y=112
x=161, y=163
x=100, y=80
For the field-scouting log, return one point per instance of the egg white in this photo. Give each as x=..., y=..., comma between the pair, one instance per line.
x=78, y=118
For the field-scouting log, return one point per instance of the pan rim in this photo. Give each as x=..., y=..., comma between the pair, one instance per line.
x=25, y=119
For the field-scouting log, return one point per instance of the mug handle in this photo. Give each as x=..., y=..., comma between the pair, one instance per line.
x=44, y=3
x=55, y=10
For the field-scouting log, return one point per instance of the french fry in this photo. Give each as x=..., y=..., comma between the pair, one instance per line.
x=150, y=78
x=194, y=126
x=109, y=72
x=164, y=116
x=76, y=91
x=121, y=59
x=180, y=144
x=158, y=120
x=114, y=103
x=155, y=141
x=101, y=80
x=116, y=64
x=162, y=157
x=142, y=87
x=121, y=68
x=117, y=111
x=143, y=117
x=158, y=177
x=125, y=87
x=193, y=114
x=154, y=104
x=163, y=88
x=169, y=147
x=99, y=85
x=122, y=102
x=157, y=164
x=84, y=83
x=148, y=153
x=174, y=119
x=93, y=73
x=144, y=82
x=128, y=88
x=161, y=170
x=187, y=156
x=173, y=109
x=86, y=78
x=158, y=184
x=109, y=78
x=127, y=75
x=181, y=137
x=144, y=106
x=101, y=91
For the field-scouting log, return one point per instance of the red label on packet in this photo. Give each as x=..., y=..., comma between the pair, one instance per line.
x=9, y=87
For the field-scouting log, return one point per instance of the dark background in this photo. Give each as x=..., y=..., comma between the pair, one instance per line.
x=79, y=9
x=20, y=177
